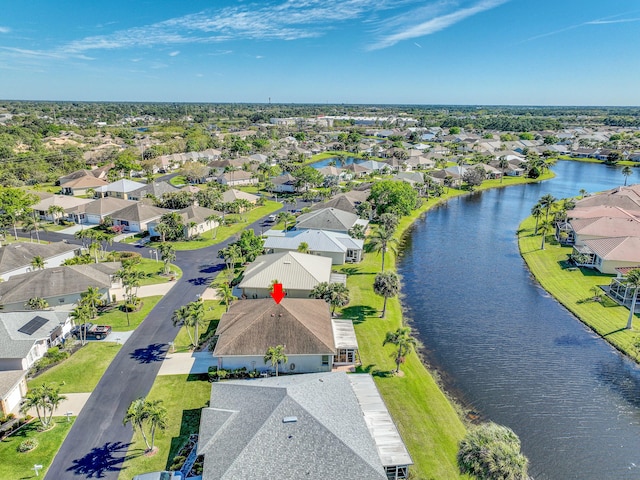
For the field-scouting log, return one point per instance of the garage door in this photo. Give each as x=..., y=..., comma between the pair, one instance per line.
x=13, y=400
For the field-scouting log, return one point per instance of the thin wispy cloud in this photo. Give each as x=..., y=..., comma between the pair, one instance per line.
x=433, y=23
x=602, y=21
x=4, y=29
x=174, y=53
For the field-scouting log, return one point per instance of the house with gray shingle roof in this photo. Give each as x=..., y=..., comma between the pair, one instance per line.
x=137, y=217
x=339, y=247
x=16, y=258
x=289, y=427
x=195, y=220
x=347, y=202
x=154, y=189
x=59, y=286
x=95, y=212
x=329, y=219
x=298, y=273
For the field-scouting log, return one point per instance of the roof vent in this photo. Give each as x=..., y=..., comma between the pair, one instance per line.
x=287, y=262
x=289, y=419
x=279, y=314
x=273, y=314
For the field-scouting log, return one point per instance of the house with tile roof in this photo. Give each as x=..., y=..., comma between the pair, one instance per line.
x=339, y=247
x=65, y=202
x=299, y=273
x=289, y=427
x=608, y=254
x=16, y=258
x=59, y=286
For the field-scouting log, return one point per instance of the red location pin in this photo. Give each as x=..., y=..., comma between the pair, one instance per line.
x=277, y=294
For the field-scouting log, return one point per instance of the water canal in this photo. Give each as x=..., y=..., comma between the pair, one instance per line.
x=508, y=350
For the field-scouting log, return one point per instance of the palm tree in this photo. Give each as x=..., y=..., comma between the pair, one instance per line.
x=536, y=212
x=633, y=280
x=286, y=218
x=503, y=164
x=626, y=171
x=37, y=263
x=382, y=240
x=92, y=298
x=157, y=416
x=181, y=316
x=338, y=296
x=544, y=228
x=167, y=254
x=81, y=315
x=275, y=355
x=387, y=285
x=217, y=219
x=137, y=414
x=196, y=313
x=303, y=247
x=225, y=292
x=45, y=399
x=547, y=201
x=583, y=193
x=32, y=224
x=55, y=211
x=37, y=303
x=403, y=340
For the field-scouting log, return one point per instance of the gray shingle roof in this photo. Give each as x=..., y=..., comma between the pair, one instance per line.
x=243, y=435
x=318, y=241
x=17, y=255
x=102, y=206
x=197, y=214
x=297, y=271
x=327, y=219
x=16, y=344
x=250, y=327
x=9, y=379
x=58, y=281
x=140, y=212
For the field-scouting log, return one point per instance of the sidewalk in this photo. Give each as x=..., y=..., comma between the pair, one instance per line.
x=74, y=403
x=146, y=290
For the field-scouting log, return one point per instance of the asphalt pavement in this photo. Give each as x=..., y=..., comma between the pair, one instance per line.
x=97, y=444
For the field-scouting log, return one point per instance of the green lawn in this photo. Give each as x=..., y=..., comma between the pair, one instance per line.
x=178, y=181
x=572, y=288
x=80, y=372
x=154, y=271
x=118, y=319
x=213, y=311
x=222, y=233
x=18, y=466
x=595, y=160
x=184, y=397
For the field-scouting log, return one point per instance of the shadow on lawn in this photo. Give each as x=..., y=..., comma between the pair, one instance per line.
x=101, y=460
x=358, y=313
x=151, y=353
x=190, y=424
x=372, y=370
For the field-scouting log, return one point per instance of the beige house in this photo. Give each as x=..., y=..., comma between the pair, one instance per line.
x=298, y=273
x=94, y=212
x=65, y=202
x=237, y=178
x=609, y=254
x=232, y=195
x=138, y=216
x=582, y=229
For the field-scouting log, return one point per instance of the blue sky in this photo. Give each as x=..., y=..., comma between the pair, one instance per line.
x=507, y=52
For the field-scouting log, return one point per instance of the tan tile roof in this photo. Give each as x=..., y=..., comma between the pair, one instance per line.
x=606, y=227
x=623, y=249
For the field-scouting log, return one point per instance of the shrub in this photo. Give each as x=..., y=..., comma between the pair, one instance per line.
x=27, y=445
x=177, y=463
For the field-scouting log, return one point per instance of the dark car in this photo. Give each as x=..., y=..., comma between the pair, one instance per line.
x=91, y=331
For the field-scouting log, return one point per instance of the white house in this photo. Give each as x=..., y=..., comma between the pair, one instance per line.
x=339, y=247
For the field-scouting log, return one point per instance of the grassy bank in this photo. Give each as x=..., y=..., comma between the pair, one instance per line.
x=572, y=287
x=427, y=420
x=621, y=163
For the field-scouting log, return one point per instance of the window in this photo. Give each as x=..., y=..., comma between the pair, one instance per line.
x=325, y=360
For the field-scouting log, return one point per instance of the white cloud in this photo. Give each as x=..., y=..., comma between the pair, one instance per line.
x=434, y=23
x=174, y=53
x=602, y=21
x=4, y=29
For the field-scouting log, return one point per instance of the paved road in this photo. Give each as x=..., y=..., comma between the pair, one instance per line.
x=97, y=444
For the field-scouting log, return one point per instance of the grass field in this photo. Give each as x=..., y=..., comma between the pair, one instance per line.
x=118, y=319
x=213, y=310
x=183, y=396
x=18, y=466
x=154, y=271
x=572, y=288
x=81, y=371
x=222, y=233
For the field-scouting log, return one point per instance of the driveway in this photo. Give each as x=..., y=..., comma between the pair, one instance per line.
x=97, y=443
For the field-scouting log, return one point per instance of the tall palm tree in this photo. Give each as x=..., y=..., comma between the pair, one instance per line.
x=56, y=211
x=137, y=414
x=92, y=298
x=275, y=356
x=32, y=224
x=626, y=171
x=544, y=228
x=167, y=255
x=503, y=164
x=44, y=399
x=157, y=416
x=181, y=316
x=583, y=193
x=81, y=315
x=225, y=292
x=547, y=202
x=286, y=218
x=196, y=313
x=338, y=296
x=633, y=280
x=381, y=241
x=404, y=342
x=537, y=211
x=37, y=263
x=303, y=247
x=387, y=285
x=217, y=219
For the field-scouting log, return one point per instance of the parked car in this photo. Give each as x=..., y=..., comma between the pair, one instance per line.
x=271, y=218
x=91, y=331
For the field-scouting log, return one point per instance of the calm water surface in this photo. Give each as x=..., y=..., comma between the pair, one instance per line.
x=508, y=350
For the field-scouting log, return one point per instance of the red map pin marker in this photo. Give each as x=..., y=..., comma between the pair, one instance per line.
x=277, y=294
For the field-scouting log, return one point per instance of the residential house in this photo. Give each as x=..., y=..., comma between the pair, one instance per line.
x=24, y=338
x=15, y=258
x=136, y=217
x=347, y=202
x=608, y=254
x=303, y=325
x=232, y=195
x=95, y=212
x=581, y=229
x=299, y=274
x=315, y=426
x=358, y=170
x=59, y=286
x=339, y=247
x=412, y=178
x=79, y=182
x=120, y=189
x=194, y=219
x=63, y=201
x=236, y=178
x=619, y=289
x=627, y=198
x=154, y=190
x=285, y=183
x=329, y=219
